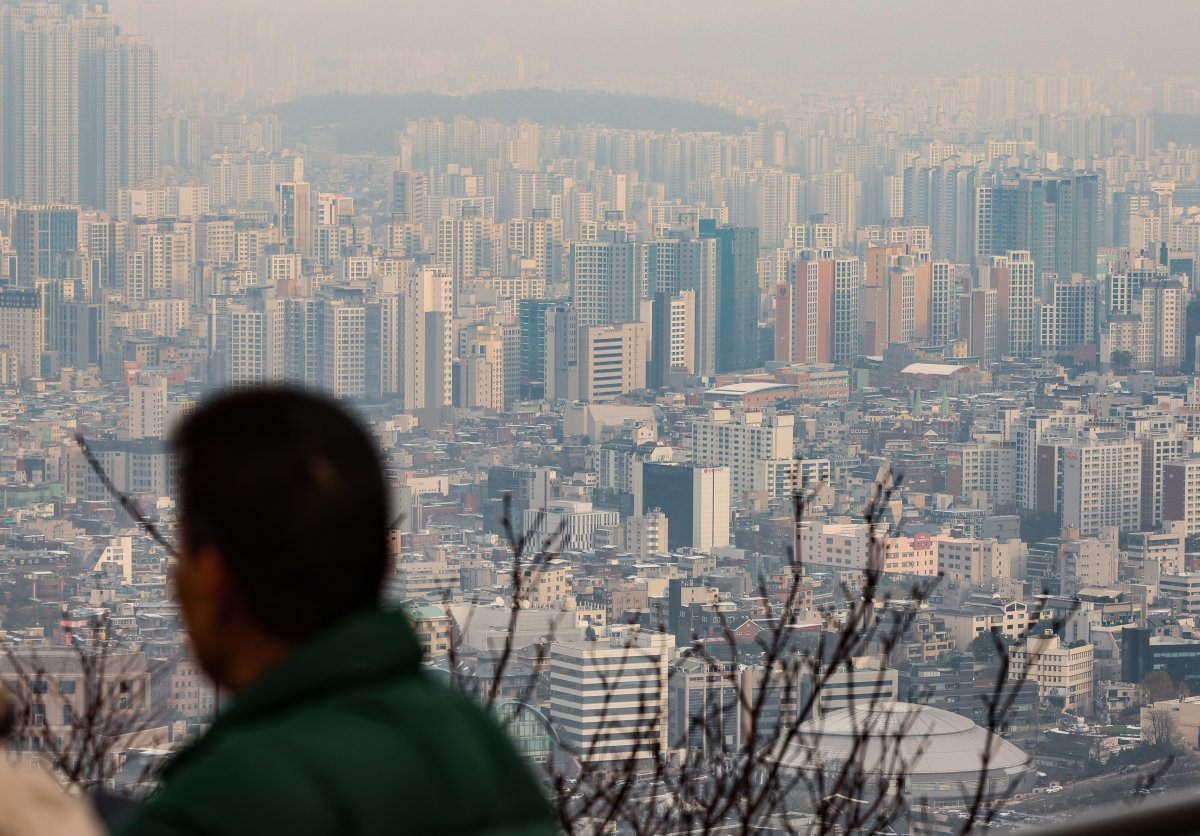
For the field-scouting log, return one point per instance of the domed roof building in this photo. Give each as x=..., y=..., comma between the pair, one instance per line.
x=940, y=754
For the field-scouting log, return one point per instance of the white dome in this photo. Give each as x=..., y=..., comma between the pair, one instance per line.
x=939, y=753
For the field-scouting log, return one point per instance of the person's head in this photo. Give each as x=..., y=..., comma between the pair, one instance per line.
x=283, y=518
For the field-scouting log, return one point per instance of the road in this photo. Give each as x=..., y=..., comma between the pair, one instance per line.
x=1090, y=793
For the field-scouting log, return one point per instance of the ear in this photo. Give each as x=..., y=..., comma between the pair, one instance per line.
x=208, y=586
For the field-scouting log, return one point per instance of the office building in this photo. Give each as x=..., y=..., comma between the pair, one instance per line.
x=612, y=361
x=42, y=237
x=695, y=500
x=609, y=698
x=293, y=213
x=567, y=525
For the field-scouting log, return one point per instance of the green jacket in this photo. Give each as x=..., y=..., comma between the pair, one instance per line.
x=348, y=736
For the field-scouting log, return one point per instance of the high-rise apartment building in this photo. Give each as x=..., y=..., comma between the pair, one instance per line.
x=804, y=314
x=465, y=246
x=343, y=316
x=604, y=287
x=427, y=352
x=846, y=330
x=1053, y=217
x=119, y=114
x=479, y=381
x=737, y=295
x=1068, y=324
x=21, y=330
x=817, y=313
x=977, y=316
x=943, y=302
x=1030, y=430
x=677, y=264
x=1013, y=277
x=293, y=214
x=537, y=241
x=739, y=441
x=987, y=468
x=148, y=407
x=672, y=338
x=78, y=105
x=39, y=103
x=1101, y=481
x=410, y=198
x=840, y=201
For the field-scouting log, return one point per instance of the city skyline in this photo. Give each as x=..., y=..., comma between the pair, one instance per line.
x=885, y=317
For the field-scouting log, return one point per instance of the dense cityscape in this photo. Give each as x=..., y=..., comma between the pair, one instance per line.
x=952, y=320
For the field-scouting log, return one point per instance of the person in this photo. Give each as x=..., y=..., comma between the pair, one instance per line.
x=334, y=727
x=32, y=801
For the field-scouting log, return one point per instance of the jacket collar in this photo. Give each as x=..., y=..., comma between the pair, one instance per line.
x=369, y=645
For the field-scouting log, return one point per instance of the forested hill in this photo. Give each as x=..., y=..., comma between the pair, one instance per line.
x=369, y=123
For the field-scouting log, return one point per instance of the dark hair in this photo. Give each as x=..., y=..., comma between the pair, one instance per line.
x=288, y=487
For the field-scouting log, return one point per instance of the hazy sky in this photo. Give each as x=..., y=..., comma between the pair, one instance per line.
x=589, y=38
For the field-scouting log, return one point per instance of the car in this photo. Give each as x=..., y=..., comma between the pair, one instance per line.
x=1055, y=789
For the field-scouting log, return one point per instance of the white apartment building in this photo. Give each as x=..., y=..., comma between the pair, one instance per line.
x=841, y=545
x=740, y=440
x=21, y=329
x=427, y=367
x=974, y=561
x=646, y=534
x=148, y=407
x=1102, y=483
x=344, y=348
x=1029, y=432
x=1022, y=289
x=779, y=478
x=1088, y=562
x=987, y=466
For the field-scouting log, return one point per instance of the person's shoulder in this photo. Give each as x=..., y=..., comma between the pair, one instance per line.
x=233, y=784
x=35, y=804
